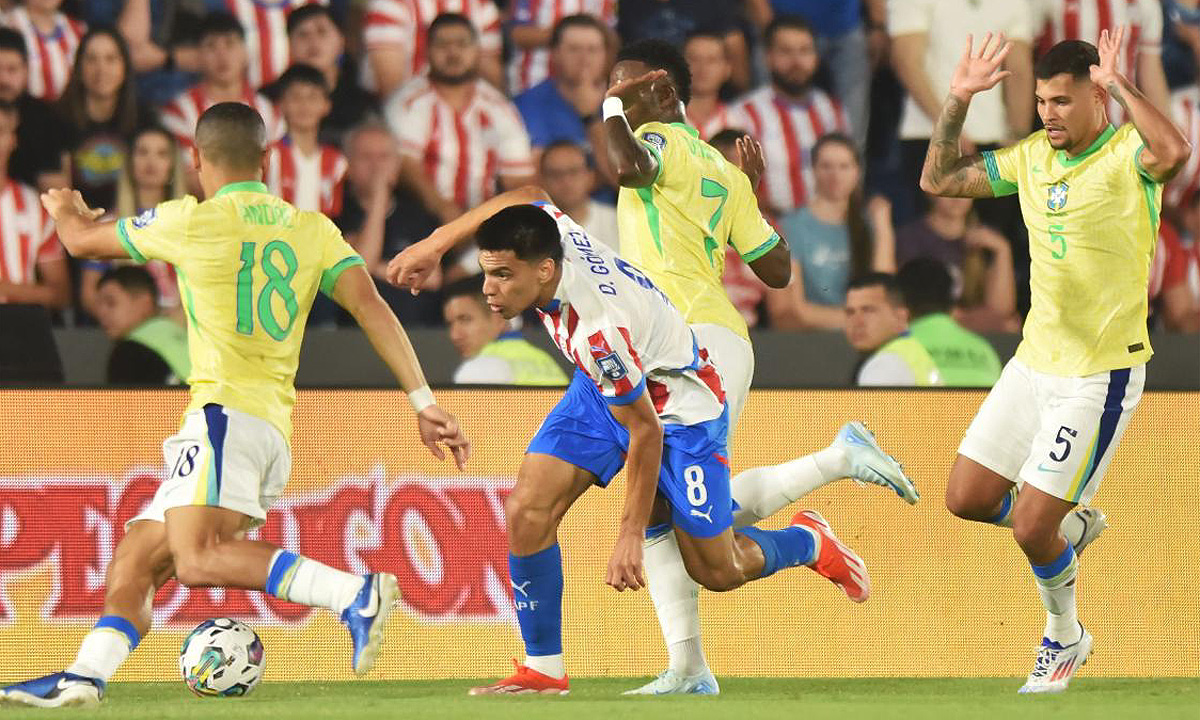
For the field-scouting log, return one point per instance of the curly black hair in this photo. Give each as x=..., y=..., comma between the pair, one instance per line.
x=662, y=55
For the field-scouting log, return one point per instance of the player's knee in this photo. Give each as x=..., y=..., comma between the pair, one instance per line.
x=962, y=503
x=191, y=569
x=717, y=578
x=525, y=515
x=1032, y=536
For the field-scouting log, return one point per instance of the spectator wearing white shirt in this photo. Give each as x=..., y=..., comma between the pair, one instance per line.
x=301, y=169
x=568, y=180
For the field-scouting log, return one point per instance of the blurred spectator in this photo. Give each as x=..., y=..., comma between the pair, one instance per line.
x=1174, y=287
x=1185, y=110
x=532, y=31
x=928, y=37
x=458, y=134
x=33, y=266
x=299, y=168
x=51, y=39
x=379, y=219
x=1059, y=20
x=567, y=179
x=674, y=20
x=842, y=40
x=708, y=61
x=149, y=349
x=789, y=115
x=222, y=79
x=833, y=237
x=153, y=173
x=101, y=112
x=397, y=39
x=493, y=353
x=317, y=40
x=566, y=106
x=963, y=358
x=163, y=45
x=977, y=257
x=266, y=34
x=1181, y=41
x=38, y=159
x=877, y=326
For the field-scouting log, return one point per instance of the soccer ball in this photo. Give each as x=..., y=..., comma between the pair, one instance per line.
x=221, y=658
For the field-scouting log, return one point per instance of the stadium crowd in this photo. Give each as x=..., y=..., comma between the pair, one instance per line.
x=394, y=116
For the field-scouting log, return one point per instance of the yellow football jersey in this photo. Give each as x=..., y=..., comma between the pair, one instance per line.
x=1093, y=226
x=676, y=230
x=249, y=266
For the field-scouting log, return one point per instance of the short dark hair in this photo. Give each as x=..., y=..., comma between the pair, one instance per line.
x=469, y=287
x=300, y=74
x=527, y=230
x=450, y=19
x=219, y=23
x=132, y=279
x=704, y=35
x=13, y=41
x=661, y=55
x=836, y=138
x=726, y=137
x=306, y=12
x=561, y=144
x=879, y=279
x=785, y=22
x=926, y=285
x=232, y=135
x=578, y=20
x=1074, y=57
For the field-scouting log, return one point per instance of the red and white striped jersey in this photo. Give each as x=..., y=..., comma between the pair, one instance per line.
x=788, y=130
x=51, y=55
x=265, y=22
x=622, y=332
x=308, y=182
x=26, y=234
x=402, y=23
x=1185, y=110
x=463, y=153
x=716, y=123
x=1061, y=20
x=529, y=67
x=180, y=115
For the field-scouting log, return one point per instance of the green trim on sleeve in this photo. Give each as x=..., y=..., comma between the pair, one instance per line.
x=657, y=156
x=1000, y=186
x=123, y=236
x=330, y=277
x=763, y=249
x=1141, y=169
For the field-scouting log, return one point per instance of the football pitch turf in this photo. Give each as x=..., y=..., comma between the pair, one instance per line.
x=599, y=699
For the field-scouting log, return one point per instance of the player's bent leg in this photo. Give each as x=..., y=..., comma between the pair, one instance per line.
x=977, y=493
x=546, y=488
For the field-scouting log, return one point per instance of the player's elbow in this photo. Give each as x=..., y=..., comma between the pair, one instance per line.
x=1177, y=155
x=928, y=185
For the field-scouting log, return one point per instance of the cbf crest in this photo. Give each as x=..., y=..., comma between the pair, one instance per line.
x=1057, y=196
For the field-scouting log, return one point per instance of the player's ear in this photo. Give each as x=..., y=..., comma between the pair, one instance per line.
x=195, y=158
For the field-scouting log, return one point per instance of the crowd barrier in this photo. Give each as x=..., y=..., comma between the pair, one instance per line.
x=950, y=598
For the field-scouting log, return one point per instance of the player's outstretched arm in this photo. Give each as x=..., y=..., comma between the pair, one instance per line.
x=631, y=160
x=946, y=171
x=642, y=464
x=1166, y=148
x=355, y=291
x=77, y=226
x=410, y=268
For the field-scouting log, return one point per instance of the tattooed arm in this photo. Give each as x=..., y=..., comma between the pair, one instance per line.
x=946, y=171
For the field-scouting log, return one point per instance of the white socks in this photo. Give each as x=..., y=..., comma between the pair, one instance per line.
x=762, y=492
x=551, y=665
x=676, y=602
x=101, y=653
x=298, y=579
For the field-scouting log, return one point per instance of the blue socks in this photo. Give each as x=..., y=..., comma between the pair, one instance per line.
x=121, y=626
x=784, y=548
x=537, y=585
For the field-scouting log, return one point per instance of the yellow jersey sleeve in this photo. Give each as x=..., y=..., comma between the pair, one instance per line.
x=749, y=232
x=654, y=136
x=337, y=256
x=160, y=233
x=1130, y=145
x=1004, y=167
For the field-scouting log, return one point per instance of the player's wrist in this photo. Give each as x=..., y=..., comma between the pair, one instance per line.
x=421, y=398
x=612, y=107
x=962, y=94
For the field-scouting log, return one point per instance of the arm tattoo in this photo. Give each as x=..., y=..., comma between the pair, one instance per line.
x=945, y=167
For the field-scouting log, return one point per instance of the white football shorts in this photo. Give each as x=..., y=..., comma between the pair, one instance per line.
x=1056, y=433
x=733, y=356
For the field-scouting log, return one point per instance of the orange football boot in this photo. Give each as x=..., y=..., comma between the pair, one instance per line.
x=835, y=561
x=525, y=682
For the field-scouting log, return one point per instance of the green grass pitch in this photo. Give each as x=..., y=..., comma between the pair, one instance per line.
x=599, y=698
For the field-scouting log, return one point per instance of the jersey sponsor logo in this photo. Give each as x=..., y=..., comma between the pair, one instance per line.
x=145, y=218
x=655, y=139
x=1057, y=196
x=612, y=367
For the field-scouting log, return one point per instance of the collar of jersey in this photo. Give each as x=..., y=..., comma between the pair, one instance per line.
x=1096, y=145
x=686, y=128
x=247, y=186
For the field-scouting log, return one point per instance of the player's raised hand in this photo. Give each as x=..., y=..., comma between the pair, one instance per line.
x=412, y=267
x=1109, y=69
x=751, y=159
x=437, y=428
x=625, y=566
x=63, y=202
x=631, y=88
x=980, y=70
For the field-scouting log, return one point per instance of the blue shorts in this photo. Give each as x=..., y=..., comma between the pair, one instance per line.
x=694, y=477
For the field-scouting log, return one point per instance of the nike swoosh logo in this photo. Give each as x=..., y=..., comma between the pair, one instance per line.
x=372, y=608
x=1048, y=470
x=64, y=683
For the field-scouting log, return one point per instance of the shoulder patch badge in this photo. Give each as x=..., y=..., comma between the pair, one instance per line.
x=144, y=219
x=655, y=139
